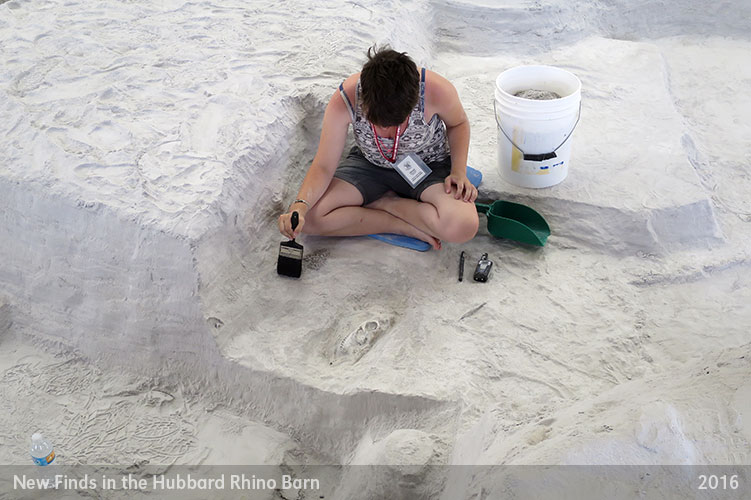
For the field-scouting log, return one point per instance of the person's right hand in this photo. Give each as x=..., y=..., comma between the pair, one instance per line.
x=285, y=223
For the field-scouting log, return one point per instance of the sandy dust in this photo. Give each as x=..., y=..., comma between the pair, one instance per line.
x=537, y=95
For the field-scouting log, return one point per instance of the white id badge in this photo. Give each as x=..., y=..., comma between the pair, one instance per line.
x=413, y=169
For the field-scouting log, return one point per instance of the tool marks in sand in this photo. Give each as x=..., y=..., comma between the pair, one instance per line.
x=72, y=402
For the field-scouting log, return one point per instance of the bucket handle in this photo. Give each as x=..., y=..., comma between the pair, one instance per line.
x=541, y=156
x=482, y=208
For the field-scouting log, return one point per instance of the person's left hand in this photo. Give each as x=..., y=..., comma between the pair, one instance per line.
x=464, y=189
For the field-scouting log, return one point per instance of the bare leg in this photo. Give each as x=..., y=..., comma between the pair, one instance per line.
x=438, y=214
x=338, y=214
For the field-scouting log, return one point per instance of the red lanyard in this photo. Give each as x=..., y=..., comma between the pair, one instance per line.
x=396, y=144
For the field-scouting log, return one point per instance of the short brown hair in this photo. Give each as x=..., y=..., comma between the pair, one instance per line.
x=390, y=86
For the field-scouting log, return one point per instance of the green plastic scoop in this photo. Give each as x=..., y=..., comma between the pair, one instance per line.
x=515, y=221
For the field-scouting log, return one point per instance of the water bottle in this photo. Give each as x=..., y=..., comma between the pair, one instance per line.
x=41, y=450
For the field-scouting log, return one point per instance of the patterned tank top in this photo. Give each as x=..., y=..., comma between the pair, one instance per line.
x=427, y=140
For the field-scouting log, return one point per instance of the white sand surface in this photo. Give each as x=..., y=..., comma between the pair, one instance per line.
x=147, y=149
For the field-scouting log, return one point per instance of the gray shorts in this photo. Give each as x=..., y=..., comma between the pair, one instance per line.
x=373, y=181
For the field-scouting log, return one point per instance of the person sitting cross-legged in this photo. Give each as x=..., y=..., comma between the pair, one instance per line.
x=396, y=111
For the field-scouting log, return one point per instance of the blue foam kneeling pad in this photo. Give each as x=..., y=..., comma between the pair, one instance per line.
x=474, y=176
x=402, y=241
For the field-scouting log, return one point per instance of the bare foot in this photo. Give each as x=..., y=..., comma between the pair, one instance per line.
x=420, y=235
x=408, y=229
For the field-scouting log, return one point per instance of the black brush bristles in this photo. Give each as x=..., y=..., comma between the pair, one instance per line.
x=290, y=255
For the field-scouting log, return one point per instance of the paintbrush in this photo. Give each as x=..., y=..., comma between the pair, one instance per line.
x=290, y=254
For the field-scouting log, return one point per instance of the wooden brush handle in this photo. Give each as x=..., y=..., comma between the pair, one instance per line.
x=295, y=220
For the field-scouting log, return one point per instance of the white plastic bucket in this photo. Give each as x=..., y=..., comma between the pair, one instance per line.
x=534, y=136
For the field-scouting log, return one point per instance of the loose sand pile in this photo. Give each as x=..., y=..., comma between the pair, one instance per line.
x=537, y=95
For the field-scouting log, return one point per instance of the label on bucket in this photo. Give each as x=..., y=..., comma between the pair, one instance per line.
x=539, y=169
x=531, y=174
x=536, y=168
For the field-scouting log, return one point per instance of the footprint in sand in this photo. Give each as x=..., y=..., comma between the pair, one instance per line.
x=355, y=344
